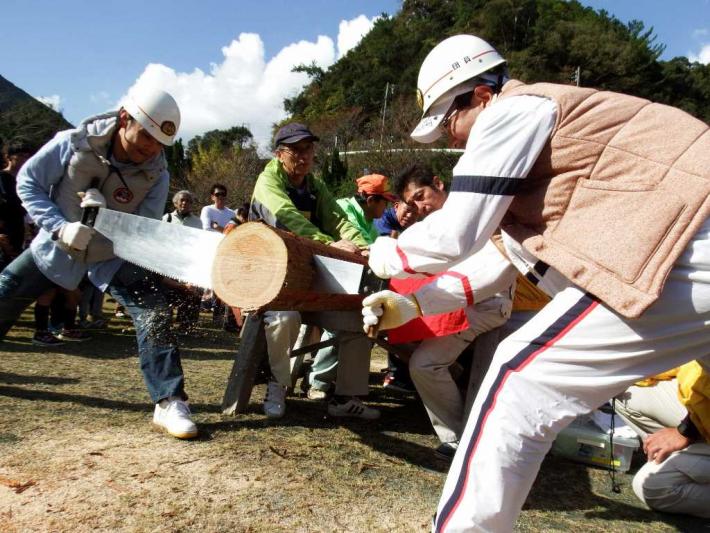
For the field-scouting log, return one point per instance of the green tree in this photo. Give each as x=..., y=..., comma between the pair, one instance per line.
x=543, y=40
x=23, y=116
x=178, y=165
x=235, y=167
x=236, y=136
x=333, y=170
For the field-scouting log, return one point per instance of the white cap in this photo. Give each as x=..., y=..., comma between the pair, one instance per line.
x=428, y=131
x=442, y=78
x=157, y=112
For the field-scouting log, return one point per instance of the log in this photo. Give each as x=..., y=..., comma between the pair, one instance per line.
x=259, y=268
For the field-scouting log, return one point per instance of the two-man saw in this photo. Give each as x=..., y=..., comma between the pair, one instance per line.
x=188, y=255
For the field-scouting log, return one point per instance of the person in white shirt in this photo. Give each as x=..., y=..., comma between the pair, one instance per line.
x=216, y=216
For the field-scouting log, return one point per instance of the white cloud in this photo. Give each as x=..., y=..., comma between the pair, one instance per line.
x=350, y=32
x=53, y=101
x=703, y=56
x=245, y=88
x=101, y=97
x=700, y=33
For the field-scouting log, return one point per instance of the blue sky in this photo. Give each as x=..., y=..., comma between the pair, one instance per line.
x=227, y=62
x=683, y=26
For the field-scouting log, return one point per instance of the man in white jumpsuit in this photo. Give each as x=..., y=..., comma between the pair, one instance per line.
x=603, y=202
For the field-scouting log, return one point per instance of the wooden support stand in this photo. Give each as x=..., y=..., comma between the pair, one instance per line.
x=252, y=350
x=260, y=268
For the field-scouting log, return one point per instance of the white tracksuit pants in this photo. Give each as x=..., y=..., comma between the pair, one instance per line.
x=570, y=358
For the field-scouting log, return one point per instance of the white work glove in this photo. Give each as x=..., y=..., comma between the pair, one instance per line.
x=387, y=310
x=92, y=198
x=75, y=235
x=384, y=259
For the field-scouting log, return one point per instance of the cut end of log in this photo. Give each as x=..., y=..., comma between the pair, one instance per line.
x=258, y=267
x=250, y=266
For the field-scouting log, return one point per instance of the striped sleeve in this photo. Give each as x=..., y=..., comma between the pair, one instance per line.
x=475, y=279
x=504, y=144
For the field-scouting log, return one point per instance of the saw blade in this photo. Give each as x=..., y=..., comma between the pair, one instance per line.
x=336, y=276
x=179, y=252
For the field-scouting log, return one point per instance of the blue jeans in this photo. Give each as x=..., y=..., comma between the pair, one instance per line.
x=21, y=283
x=140, y=293
x=138, y=290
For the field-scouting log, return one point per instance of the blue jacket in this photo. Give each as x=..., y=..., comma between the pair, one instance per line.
x=36, y=185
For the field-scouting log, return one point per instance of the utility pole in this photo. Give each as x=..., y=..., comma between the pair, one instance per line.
x=576, y=77
x=384, y=113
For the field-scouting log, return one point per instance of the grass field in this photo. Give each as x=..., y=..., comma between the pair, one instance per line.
x=78, y=453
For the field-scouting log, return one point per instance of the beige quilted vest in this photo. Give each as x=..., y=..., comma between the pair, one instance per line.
x=616, y=195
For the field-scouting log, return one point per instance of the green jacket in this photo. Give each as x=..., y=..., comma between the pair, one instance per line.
x=356, y=215
x=318, y=217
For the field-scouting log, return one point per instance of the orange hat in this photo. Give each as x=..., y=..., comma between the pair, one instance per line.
x=375, y=184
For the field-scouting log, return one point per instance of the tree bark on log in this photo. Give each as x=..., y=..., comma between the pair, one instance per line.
x=258, y=268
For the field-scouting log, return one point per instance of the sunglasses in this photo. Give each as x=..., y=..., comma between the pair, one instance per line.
x=459, y=102
x=219, y=193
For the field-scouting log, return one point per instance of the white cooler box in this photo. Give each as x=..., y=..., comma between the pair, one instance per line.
x=585, y=442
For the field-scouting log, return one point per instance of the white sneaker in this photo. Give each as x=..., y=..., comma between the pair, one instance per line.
x=275, y=400
x=173, y=415
x=317, y=394
x=353, y=407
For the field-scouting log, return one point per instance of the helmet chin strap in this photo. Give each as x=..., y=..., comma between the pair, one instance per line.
x=499, y=84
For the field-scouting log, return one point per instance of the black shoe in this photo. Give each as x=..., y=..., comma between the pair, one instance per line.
x=45, y=338
x=73, y=335
x=446, y=451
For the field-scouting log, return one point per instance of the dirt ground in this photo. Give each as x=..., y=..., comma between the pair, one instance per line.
x=78, y=453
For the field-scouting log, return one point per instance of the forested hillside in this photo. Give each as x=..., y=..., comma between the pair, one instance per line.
x=21, y=115
x=364, y=105
x=543, y=40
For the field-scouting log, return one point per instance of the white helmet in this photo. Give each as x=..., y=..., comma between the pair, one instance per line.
x=450, y=63
x=156, y=111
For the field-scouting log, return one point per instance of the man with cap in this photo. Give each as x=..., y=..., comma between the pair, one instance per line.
x=602, y=199
x=287, y=196
x=369, y=202
x=112, y=160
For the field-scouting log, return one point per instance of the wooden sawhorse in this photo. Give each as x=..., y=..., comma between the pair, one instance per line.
x=252, y=350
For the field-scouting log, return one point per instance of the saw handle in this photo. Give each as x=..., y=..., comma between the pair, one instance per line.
x=88, y=217
x=379, y=285
x=89, y=214
x=372, y=331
